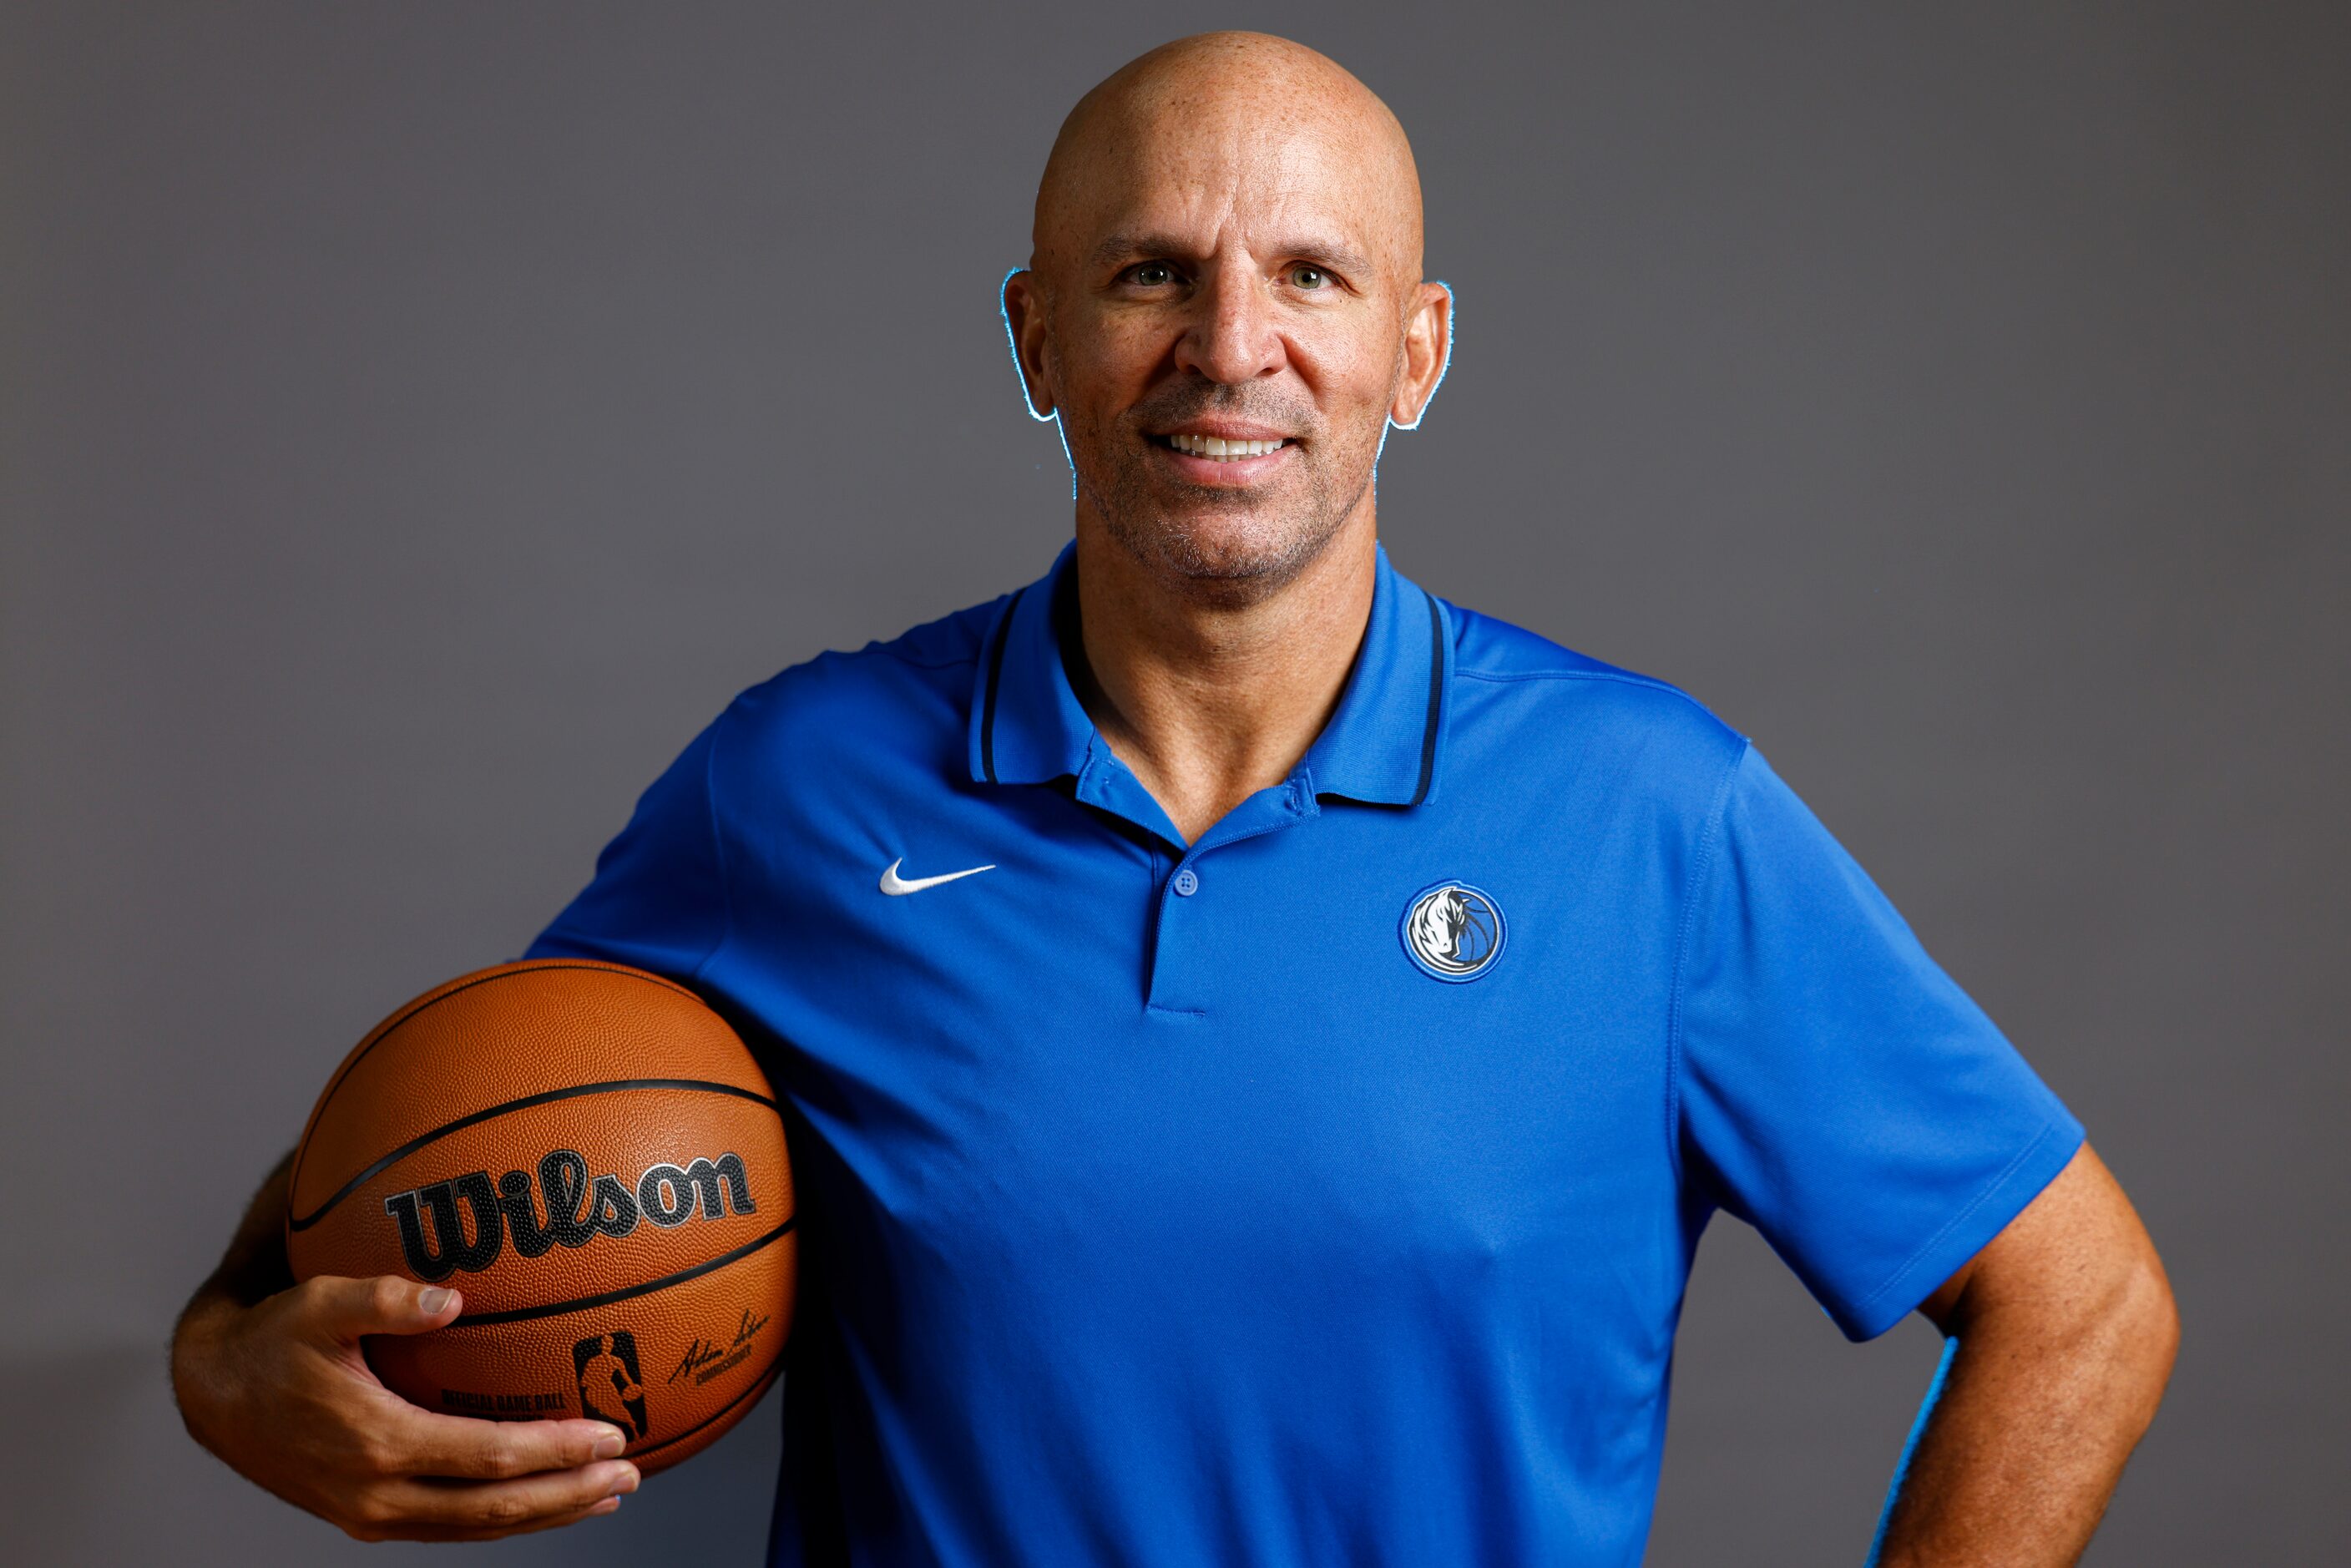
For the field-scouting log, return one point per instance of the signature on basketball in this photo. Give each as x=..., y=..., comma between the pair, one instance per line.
x=705, y=1358
x=577, y=1210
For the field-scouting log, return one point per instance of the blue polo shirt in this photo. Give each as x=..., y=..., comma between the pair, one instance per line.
x=1322, y=1191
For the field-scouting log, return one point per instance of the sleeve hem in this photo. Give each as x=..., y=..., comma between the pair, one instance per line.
x=1966, y=1233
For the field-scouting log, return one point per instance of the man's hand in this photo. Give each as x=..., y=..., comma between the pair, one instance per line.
x=281, y=1392
x=270, y=1377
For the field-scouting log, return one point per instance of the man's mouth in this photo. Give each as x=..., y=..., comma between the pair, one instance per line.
x=1218, y=449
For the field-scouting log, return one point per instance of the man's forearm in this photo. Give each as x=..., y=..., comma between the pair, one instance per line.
x=2023, y=1449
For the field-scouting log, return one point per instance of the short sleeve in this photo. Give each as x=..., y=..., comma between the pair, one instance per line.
x=1834, y=1087
x=659, y=898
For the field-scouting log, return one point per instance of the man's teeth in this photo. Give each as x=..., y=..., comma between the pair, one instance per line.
x=1218, y=448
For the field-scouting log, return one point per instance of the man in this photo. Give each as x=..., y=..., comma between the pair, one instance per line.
x=1262, y=1041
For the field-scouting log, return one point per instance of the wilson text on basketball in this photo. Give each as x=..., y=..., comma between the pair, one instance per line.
x=568, y=1210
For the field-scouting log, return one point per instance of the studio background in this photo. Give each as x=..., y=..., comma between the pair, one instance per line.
x=417, y=421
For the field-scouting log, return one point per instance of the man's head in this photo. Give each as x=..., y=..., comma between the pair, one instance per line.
x=1228, y=249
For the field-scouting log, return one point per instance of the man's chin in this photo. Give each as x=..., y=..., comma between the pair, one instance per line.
x=1222, y=555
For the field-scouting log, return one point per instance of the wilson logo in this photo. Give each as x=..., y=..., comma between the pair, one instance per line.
x=576, y=1209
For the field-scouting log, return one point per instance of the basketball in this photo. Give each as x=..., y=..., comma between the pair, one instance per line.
x=593, y=1159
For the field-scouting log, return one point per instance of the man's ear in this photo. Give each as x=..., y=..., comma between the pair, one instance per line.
x=1427, y=349
x=1022, y=305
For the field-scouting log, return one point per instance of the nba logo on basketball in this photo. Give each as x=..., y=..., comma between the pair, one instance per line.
x=609, y=1388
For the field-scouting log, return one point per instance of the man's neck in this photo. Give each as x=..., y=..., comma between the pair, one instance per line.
x=1208, y=703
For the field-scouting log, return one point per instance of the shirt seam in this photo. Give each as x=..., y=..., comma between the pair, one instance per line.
x=1617, y=677
x=717, y=847
x=1700, y=874
x=946, y=662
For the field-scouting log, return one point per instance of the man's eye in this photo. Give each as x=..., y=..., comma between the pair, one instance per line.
x=1305, y=277
x=1154, y=274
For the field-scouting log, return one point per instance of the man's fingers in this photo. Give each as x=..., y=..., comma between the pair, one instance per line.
x=460, y=1447
x=501, y=1508
x=454, y=1533
x=347, y=1309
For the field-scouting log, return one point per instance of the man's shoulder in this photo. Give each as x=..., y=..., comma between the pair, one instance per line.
x=888, y=680
x=1520, y=677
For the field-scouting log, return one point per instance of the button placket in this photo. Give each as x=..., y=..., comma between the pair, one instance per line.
x=1191, y=934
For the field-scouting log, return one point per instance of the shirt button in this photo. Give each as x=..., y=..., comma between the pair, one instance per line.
x=1186, y=883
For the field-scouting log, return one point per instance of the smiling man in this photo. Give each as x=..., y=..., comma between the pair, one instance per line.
x=1262, y=1041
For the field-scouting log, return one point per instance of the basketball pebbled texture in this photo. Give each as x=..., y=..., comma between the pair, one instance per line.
x=595, y=1160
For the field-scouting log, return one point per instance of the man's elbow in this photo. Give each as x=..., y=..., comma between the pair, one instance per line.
x=2119, y=1337
x=2145, y=1324
x=2075, y=1288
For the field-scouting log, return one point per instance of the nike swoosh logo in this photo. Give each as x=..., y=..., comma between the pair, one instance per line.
x=897, y=886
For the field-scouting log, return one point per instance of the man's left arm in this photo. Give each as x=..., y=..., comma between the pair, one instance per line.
x=2067, y=1332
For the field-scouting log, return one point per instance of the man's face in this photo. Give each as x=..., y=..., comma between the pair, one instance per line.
x=1224, y=323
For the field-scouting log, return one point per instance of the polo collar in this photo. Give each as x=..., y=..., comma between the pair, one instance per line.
x=1383, y=745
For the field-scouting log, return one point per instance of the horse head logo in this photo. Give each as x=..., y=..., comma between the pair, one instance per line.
x=1453, y=931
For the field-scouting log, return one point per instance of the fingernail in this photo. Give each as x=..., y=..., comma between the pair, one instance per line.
x=627, y=1481
x=610, y=1445
x=433, y=1300
x=607, y=1506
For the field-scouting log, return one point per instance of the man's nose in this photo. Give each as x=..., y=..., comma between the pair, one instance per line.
x=1231, y=336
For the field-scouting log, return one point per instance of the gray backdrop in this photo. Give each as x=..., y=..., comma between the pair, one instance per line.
x=419, y=419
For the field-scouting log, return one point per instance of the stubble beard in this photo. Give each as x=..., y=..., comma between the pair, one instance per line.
x=1216, y=545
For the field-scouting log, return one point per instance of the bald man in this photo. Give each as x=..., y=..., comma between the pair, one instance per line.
x=1261, y=1041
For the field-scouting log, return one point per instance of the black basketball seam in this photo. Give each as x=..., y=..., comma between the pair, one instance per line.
x=541, y=965
x=609, y=1298
x=384, y=1031
x=759, y=1386
x=544, y=1097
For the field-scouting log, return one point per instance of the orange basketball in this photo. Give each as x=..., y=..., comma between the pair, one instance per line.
x=594, y=1159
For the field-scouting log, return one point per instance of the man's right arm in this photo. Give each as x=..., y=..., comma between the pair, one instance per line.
x=270, y=1376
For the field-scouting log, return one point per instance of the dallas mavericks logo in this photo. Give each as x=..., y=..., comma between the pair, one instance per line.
x=1453, y=931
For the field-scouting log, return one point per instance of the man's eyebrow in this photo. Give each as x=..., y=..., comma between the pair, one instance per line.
x=1123, y=247
x=1327, y=253
x=1120, y=248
